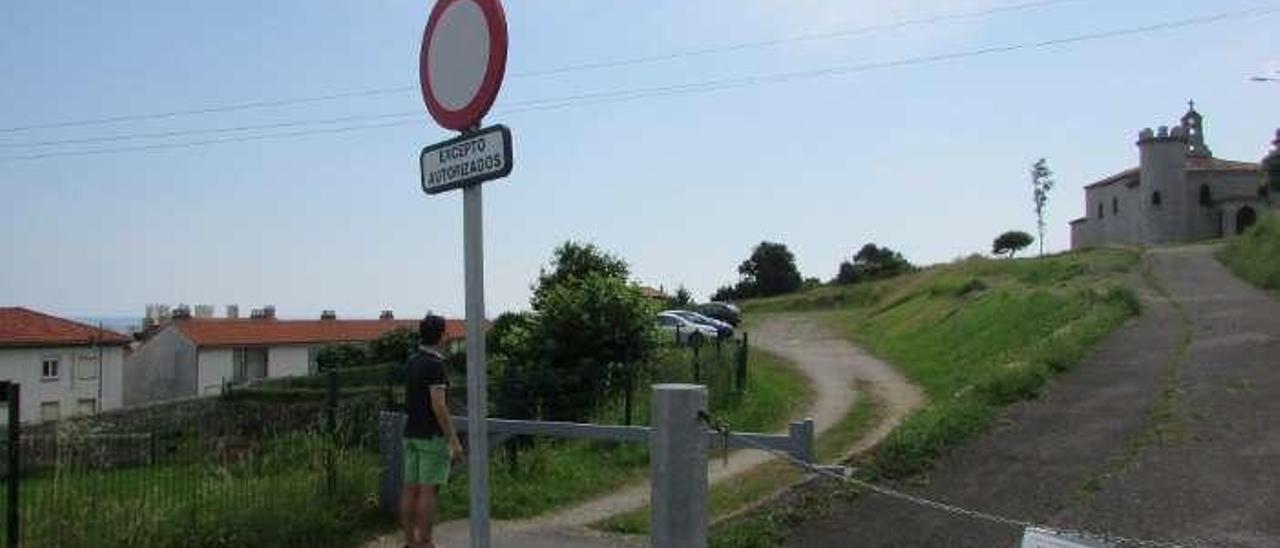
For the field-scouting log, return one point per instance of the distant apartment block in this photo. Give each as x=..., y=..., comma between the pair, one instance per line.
x=192, y=356
x=65, y=368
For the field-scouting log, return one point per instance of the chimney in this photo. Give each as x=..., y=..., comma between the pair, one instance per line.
x=386, y=315
x=269, y=312
x=328, y=315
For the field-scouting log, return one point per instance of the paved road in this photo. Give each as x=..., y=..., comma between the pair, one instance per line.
x=833, y=366
x=1077, y=457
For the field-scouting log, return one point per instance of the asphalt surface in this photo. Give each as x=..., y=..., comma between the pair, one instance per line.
x=1087, y=454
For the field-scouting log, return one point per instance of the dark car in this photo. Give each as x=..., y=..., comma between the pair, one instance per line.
x=724, y=312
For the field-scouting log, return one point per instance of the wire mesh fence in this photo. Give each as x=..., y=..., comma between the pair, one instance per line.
x=290, y=461
x=203, y=473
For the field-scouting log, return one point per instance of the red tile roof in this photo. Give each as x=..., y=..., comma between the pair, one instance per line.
x=24, y=327
x=1218, y=164
x=266, y=332
x=1193, y=164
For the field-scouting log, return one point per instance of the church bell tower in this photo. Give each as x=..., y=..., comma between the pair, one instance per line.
x=1193, y=129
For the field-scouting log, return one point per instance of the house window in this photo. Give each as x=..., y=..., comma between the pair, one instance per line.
x=49, y=369
x=1206, y=196
x=50, y=411
x=86, y=406
x=1115, y=205
x=1100, y=211
x=86, y=368
x=1155, y=198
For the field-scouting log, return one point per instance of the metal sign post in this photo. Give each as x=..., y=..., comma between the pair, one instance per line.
x=461, y=66
x=477, y=392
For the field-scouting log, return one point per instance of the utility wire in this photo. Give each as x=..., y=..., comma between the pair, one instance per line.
x=586, y=99
x=555, y=70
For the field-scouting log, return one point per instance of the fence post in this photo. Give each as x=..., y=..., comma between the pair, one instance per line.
x=697, y=365
x=331, y=412
x=390, y=428
x=678, y=467
x=629, y=379
x=12, y=392
x=801, y=433
x=741, y=379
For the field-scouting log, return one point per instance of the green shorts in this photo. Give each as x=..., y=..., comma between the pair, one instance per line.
x=426, y=461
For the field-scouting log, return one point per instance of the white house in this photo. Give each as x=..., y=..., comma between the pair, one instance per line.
x=64, y=368
x=197, y=356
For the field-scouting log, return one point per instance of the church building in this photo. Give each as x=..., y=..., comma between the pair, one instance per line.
x=1178, y=193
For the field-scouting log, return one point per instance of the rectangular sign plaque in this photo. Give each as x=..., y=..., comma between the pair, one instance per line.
x=1039, y=538
x=473, y=158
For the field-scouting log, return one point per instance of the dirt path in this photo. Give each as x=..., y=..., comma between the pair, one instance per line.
x=832, y=364
x=1167, y=431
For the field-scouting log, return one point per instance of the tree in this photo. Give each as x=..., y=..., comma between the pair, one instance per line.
x=771, y=270
x=872, y=262
x=341, y=356
x=1011, y=242
x=509, y=333
x=571, y=262
x=1041, y=184
x=587, y=322
x=584, y=334
x=394, y=346
x=682, y=300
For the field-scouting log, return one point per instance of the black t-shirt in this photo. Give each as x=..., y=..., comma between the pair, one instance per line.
x=424, y=370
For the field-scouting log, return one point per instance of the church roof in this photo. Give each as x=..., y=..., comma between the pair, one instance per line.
x=1193, y=164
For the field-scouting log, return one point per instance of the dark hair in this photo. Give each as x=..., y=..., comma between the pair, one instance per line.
x=431, y=329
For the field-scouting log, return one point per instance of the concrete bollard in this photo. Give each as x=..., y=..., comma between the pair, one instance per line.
x=678, y=467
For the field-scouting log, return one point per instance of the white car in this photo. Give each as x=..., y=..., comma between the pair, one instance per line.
x=685, y=331
x=723, y=329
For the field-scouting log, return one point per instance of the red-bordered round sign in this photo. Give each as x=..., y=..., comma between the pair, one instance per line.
x=463, y=60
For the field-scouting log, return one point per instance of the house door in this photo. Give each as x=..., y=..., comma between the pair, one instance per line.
x=1245, y=219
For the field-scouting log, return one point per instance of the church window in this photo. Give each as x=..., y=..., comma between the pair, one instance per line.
x=1100, y=210
x=1155, y=198
x=1206, y=196
x=1115, y=205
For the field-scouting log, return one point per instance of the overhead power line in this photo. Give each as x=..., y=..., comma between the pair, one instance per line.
x=641, y=60
x=616, y=96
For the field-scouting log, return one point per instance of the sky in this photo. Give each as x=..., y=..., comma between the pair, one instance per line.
x=928, y=158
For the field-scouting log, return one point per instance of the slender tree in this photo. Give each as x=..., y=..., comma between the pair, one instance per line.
x=1041, y=184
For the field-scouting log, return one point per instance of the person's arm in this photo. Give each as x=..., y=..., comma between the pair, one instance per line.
x=441, y=411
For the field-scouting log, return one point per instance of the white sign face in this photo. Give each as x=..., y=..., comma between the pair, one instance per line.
x=458, y=54
x=1040, y=538
x=466, y=160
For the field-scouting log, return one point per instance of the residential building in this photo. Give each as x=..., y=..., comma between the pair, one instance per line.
x=64, y=368
x=197, y=356
x=1178, y=193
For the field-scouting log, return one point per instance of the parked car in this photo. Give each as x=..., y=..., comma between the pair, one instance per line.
x=723, y=329
x=724, y=312
x=685, y=331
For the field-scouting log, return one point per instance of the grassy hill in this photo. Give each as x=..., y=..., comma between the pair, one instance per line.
x=975, y=335
x=1255, y=256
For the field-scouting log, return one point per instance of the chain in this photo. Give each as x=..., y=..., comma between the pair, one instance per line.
x=941, y=506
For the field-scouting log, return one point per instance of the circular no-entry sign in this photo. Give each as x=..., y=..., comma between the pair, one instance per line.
x=463, y=60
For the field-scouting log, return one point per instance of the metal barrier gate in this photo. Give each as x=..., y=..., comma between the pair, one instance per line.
x=678, y=442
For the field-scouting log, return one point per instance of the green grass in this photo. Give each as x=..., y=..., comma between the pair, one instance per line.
x=975, y=335
x=278, y=498
x=1255, y=255
x=777, y=393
